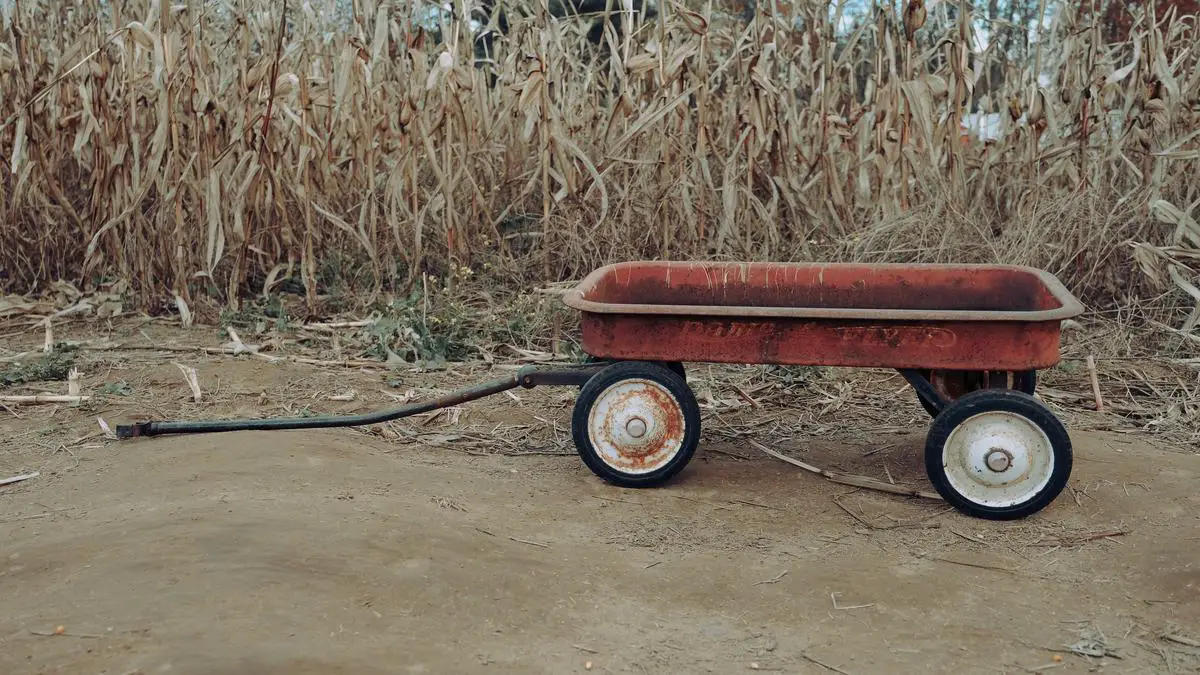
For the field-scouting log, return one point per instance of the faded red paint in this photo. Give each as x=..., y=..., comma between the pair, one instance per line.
x=937, y=317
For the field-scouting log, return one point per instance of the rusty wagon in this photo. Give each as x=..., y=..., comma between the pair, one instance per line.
x=969, y=339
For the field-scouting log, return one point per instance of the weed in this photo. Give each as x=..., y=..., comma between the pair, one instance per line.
x=53, y=367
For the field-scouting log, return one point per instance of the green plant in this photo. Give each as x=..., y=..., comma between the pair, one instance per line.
x=53, y=367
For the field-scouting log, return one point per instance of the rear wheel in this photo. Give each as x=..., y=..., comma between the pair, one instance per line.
x=636, y=424
x=953, y=384
x=998, y=454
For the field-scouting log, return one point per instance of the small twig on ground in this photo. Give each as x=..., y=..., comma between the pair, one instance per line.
x=745, y=397
x=1095, y=376
x=331, y=326
x=106, y=430
x=698, y=501
x=773, y=580
x=585, y=649
x=1093, y=644
x=1075, y=496
x=856, y=516
x=1165, y=655
x=826, y=666
x=30, y=517
x=232, y=351
x=1180, y=333
x=18, y=479
x=761, y=506
x=846, y=479
x=34, y=399
x=551, y=291
x=931, y=516
x=833, y=597
x=895, y=525
x=881, y=448
x=1101, y=535
x=982, y=566
x=968, y=537
x=1034, y=645
x=192, y=378
x=1082, y=539
x=1182, y=640
x=531, y=543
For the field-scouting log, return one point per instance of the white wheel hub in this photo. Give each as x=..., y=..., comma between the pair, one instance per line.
x=636, y=426
x=998, y=459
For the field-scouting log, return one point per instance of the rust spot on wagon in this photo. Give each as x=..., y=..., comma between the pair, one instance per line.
x=726, y=329
x=896, y=336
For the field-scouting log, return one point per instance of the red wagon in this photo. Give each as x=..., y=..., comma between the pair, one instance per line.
x=968, y=338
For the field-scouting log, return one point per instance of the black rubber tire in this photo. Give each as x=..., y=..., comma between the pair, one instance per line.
x=677, y=368
x=674, y=366
x=1007, y=400
x=1023, y=381
x=624, y=370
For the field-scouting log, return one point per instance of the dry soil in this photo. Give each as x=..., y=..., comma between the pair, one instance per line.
x=366, y=551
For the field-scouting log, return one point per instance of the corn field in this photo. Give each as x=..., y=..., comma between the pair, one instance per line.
x=215, y=150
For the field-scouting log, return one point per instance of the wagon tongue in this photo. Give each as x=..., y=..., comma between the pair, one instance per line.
x=527, y=377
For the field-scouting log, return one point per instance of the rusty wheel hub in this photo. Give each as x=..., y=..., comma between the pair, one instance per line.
x=998, y=460
x=636, y=426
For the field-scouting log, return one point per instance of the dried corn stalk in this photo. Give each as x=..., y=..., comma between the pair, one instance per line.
x=216, y=148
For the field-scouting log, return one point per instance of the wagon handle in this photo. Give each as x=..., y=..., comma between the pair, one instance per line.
x=527, y=377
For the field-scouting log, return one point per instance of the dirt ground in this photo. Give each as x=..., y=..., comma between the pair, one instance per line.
x=475, y=542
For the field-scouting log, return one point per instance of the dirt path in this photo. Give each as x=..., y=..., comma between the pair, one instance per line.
x=332, y=552
x=422, y=549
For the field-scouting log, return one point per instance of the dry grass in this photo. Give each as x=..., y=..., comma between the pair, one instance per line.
x=208, y=152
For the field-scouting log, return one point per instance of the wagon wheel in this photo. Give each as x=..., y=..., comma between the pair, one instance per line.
x=953, y=384
x=998, y=454
x=675, y=366
x=636, y=424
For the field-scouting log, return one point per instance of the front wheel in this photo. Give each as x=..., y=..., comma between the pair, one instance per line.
x=636, y=424
x=998, y=454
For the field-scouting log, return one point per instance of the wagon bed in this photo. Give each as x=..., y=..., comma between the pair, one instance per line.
x=954, y=317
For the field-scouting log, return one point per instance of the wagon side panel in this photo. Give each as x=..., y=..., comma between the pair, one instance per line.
x=967, y=345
